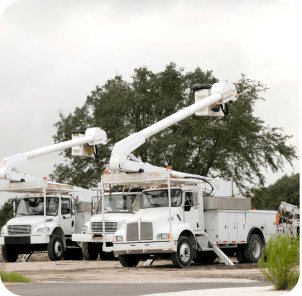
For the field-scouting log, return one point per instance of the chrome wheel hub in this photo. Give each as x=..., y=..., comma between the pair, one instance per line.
x=184, y=252
x=58, y=248
x=256, y=249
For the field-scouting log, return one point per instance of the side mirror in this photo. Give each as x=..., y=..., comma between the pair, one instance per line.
x=96, y=208
x=67, y=216
x=195, y=200
x=73, y=211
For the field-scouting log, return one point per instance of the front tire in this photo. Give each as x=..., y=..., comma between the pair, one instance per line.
x=55, y=248
x=90, y=251
x=253, y=250
x=9, y=254
x=129, y=260
x=184, y=255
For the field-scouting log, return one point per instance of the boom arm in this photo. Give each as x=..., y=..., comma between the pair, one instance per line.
x=220, y=93
x=93, y=136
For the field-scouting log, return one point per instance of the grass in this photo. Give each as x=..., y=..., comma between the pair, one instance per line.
x=13, y=277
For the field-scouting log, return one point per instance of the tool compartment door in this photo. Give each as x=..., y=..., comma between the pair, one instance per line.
x=222, y=227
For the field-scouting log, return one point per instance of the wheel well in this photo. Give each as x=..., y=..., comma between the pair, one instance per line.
x=59, y=231
x=256, y=230
x=190, y=235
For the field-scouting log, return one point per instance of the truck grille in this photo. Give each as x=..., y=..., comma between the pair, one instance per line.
x=110, y=227
x=19, y=229
x=146, y=231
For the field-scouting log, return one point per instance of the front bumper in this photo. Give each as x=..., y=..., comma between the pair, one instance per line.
x=91, y=237
x=24, y=240
x=144, y=248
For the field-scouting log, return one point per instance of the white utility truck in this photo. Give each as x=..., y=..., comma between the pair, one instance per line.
x=181, y=219
x=286, y=225
x=48, y=213
x=118, y=207
x=46, y=228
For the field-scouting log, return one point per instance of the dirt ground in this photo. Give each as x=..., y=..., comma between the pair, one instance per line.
x=42, y=270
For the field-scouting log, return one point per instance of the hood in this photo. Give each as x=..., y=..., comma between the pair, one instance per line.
x=111, y=217
x=153, y=214
x=29, y=220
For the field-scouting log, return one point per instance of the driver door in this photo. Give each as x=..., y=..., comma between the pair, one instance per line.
x=191, y=214
x=67, y=219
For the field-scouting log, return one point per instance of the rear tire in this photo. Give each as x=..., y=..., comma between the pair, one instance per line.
x=9, y=254
x=90, y=251
x=205, y=257
x=184, y=255
x=253, y=250
x=129, y=260
x=55, y=248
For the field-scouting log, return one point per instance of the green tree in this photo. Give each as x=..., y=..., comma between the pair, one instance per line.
x=238, y=144
x=285, y=189
x=6, y=210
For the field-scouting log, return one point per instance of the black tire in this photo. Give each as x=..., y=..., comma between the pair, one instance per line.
x=184, y=255
x=9, y=253
x=73, y=254
x=90, y=251
x=55, y=248
x=129, y=260
x=205, y=257
x=253, y=250
x=240, y=254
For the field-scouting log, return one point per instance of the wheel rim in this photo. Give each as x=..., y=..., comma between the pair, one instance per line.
x=185, y=253
x=58, y=248
x=256, y=249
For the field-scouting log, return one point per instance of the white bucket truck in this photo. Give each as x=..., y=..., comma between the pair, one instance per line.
x=118, y=207
x=181, y=220
x=46, y=227
x=49, y=213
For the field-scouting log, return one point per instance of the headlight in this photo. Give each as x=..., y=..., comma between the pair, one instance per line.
x=118, y=238
x=42, y=229
x=85, y=228
x=163, y=236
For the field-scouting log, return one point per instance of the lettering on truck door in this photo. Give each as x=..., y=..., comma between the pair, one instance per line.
x=190, y=213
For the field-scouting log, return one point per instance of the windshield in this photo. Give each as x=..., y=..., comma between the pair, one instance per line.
x=35, y=206
x=159, y=198
x=117, y=203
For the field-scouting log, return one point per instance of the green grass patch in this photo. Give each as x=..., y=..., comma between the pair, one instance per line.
x=13, y=277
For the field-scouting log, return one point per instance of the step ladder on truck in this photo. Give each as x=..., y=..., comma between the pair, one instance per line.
x=49, y=212
x=185, y=221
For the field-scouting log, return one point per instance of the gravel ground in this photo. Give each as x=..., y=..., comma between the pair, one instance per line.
x=42, y=270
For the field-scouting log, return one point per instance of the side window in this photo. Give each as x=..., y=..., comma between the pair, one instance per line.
x=66, y=206
x=188, y=201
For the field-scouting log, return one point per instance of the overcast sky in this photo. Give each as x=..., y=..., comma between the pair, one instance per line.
x=54, y=53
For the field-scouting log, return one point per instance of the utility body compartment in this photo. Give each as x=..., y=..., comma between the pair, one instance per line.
x=234, y=226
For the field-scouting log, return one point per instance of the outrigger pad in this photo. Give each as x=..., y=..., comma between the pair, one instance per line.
x=197, y=87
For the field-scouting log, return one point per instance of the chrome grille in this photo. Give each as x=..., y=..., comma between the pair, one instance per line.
x=132, y=231
x=110, y=227
x=146, y=231
x=19, y=229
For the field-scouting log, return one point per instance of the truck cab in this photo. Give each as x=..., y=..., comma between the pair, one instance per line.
x=47, y=227
x=118, y=207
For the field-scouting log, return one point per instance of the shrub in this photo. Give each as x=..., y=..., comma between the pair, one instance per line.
x=279, y=262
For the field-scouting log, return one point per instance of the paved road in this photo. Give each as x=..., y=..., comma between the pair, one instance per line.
x=99, y=289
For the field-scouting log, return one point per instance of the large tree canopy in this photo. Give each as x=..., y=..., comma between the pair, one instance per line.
x=239, y=144
x=285, y=189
